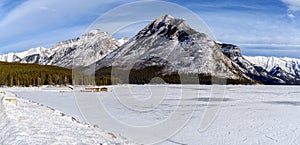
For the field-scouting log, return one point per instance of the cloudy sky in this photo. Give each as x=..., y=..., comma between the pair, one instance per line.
x=259, y=27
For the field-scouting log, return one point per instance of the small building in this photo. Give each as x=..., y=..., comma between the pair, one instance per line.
x=91, y=90
x=104, y=89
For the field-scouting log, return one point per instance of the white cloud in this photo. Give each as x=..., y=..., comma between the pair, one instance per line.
x=280, y=50
x=46, y=8
x=271, y=45
x=257, y=33
x=35, y=17
x=45, y=39
x=290, y=15
x=293, y=5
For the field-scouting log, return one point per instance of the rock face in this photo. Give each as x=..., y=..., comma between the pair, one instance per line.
x=173, y=46
x=260, y=72
x=81, y=51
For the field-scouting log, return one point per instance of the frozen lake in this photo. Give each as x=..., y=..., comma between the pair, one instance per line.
x=194, y=114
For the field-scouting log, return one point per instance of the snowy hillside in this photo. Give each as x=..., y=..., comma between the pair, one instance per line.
x=31, y=123
x=290, y=65
x=85, y=50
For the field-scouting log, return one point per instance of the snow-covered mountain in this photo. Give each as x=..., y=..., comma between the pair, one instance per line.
x=16, y=57
x=271, y=64
x=172, y=44
x=81, y=51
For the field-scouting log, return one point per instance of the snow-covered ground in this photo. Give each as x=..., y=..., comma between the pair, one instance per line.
x=32, y=123
x=247, y=114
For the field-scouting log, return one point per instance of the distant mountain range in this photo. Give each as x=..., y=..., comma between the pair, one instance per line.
x=168, y=48
x=271, y=64
x=256, y=70
x=93, y=45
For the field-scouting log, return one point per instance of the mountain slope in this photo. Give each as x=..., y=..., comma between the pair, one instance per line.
x=171, y=46
x=81, y=51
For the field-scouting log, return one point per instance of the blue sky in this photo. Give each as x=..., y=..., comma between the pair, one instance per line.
x=259, y=27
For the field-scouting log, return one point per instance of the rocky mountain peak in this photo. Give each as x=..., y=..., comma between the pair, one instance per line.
x=180, y=23
x=169, y=27
x=95, y=32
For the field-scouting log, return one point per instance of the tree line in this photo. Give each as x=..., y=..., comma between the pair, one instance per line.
x=150, y=74
x=19, y=74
